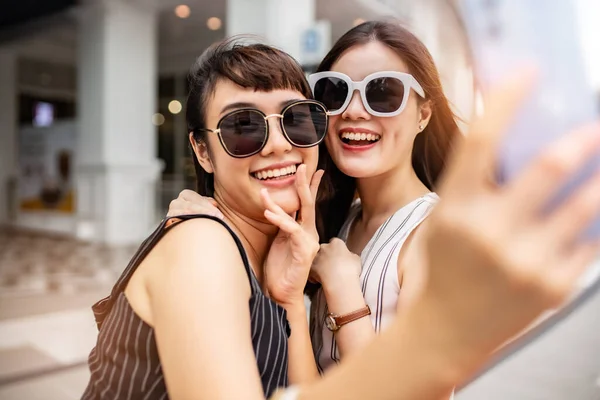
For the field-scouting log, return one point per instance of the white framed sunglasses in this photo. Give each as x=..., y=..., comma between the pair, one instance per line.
x=383, y=94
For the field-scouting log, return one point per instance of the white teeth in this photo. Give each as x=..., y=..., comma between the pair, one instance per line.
x=275, y=173
x=361, y=136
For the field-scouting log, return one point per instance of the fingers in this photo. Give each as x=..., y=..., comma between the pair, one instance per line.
x=336, y=242
x=475, y=159
x=547, y=173
x=277, y=216
x=304, y=193
x=283, y=222
x=580, y=261
x=572, y=217
x=194, y=197
x=315, y=182
x=190, y=202
x=307, y=194
x=187, y=194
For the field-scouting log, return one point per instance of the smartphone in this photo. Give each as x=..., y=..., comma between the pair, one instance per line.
x=506, y=34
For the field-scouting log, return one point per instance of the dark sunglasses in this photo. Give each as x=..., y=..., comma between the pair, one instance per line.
x=383, y=94
x=245, y=132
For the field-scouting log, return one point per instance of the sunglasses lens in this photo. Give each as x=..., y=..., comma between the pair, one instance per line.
x=385, y=95
x=243, y=133
x=305, y=124
x=332, y=92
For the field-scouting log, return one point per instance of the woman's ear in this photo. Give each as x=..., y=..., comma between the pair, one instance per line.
x=425, y=111
x=201, y=152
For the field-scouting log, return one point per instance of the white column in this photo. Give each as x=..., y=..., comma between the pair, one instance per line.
x=8, y=130
x=286, y=21
x=437, y=26
x=425, y=21
x=246, y=17
x=117, y=168
x=280, y=22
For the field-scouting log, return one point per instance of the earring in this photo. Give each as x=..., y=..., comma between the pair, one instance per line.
x=420, y=127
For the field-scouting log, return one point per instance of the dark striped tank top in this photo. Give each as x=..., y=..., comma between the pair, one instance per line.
x=125, y=363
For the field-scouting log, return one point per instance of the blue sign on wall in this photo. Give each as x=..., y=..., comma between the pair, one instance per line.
x=311, y=41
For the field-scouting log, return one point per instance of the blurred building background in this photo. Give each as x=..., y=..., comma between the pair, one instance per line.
x=93, y=147
x=94, y=143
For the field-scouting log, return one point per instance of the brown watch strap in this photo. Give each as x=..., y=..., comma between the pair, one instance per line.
x=342, y=320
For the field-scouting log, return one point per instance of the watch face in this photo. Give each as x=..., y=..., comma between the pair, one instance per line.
x=331, y=324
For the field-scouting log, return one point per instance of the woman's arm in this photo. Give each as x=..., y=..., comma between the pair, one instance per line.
x=302, y=367
x=405, y=362
x=199, y=293
x=338, y=270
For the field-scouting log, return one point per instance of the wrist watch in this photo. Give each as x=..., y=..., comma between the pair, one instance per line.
x=335, y=322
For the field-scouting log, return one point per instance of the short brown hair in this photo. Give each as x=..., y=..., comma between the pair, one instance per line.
x=256, y=66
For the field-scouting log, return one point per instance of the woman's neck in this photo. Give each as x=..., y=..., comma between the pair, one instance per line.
x=382, y=195
x=256, y=235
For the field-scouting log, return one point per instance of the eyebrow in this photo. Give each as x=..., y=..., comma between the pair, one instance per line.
x=241, y=104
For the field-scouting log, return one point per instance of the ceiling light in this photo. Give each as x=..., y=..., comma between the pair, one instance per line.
x=214, y=23
x=158, y=119
x=175, y=107
x=182, y=11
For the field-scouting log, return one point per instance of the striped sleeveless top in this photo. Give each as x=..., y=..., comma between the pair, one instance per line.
x=379, y=275
x=125, y=363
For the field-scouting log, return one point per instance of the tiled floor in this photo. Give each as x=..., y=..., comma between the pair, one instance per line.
x=36, y=264
x=64, y=385
x=20, y=360
x=47, y=286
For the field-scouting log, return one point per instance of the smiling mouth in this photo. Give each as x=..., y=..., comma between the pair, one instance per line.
x=359, y=139
x=275, y=174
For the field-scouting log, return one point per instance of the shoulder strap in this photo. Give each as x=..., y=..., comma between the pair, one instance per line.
x=102, y=308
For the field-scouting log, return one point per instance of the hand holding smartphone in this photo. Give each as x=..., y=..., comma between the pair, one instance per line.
x=507, y=34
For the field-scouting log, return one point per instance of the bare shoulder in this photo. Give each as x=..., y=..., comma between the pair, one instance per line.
x=200, y=233
x=196, y=255
x=198, y=295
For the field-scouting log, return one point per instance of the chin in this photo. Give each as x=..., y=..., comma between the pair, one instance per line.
x=288, y=200
x=357, y=168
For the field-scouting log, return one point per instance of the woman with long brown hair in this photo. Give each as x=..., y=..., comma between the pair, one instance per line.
x=391, y=131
